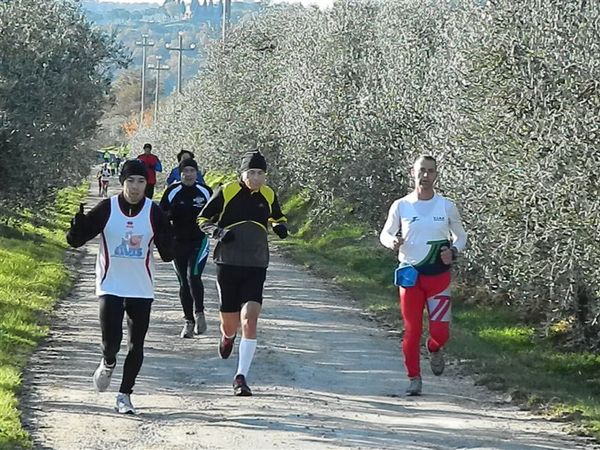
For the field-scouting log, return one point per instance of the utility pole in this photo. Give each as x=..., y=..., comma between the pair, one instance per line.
x=158, y=67
x=180, y=51
x=226, y=17
x=143, y=43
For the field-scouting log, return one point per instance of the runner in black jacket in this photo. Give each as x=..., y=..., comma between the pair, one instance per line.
x=182, y=202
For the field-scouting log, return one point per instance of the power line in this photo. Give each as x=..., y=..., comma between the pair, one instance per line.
x=158, y=67
x=180, y=51
x=143, y=43
x=226, y=17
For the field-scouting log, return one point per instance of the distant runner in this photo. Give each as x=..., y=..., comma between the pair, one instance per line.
x=175, y=175
x=103, y=180
x=153, y=165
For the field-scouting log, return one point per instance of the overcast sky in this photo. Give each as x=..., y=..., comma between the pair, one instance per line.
x=320, y=3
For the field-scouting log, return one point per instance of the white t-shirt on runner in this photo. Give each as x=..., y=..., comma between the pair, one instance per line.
x=425, y=225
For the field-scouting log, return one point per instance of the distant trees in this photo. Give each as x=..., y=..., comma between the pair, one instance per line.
x=120, y=15
x=174, y=8
x=126, y=94
x=122, y=118
x=129, y=22
x=54, y=80
x=195, y=7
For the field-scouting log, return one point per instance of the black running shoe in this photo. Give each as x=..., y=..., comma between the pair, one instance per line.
x=226, y=346
x=240, y=388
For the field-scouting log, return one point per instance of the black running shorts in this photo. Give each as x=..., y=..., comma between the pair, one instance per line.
x=238, y=285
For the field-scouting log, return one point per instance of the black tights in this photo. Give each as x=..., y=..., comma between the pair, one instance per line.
x=190, y=259
x=112, y=310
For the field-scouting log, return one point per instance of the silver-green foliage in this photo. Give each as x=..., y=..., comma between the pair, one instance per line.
x=504, y=93
x=54, y=79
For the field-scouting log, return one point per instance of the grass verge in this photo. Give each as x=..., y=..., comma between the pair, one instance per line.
x=489, y=341
x=32, y=277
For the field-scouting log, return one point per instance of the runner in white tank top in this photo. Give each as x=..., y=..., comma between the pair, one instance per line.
x=130, y=225
x=126, y=247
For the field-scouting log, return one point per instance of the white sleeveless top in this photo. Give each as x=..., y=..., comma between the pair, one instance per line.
x=125, y=264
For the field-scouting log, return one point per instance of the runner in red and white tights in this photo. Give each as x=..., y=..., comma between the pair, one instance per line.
x=426, y=230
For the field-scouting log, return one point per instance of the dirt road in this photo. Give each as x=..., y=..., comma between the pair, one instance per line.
x=324, y=377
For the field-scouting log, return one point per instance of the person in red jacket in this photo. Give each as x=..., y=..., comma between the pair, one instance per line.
x=153, y=165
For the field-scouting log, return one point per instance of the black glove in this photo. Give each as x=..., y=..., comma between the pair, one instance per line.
x=223, y=235
x=280, y=230
x=79, y=219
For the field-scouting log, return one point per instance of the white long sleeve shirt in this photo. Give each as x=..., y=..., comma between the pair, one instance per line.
x=426, y=226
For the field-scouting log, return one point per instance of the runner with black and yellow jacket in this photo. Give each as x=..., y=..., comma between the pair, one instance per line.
x=239, y=215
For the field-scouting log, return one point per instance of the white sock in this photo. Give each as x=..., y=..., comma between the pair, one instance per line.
x=246, y=354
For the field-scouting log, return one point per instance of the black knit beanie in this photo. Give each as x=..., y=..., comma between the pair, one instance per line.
x=182, y=152
x=133, y=167
x=188, y=162
x=253, y=160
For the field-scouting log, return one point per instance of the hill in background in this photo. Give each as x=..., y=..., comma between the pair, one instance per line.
x=198, y=20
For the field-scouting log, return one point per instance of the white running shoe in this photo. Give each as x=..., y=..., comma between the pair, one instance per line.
x=188, y=329
x=102, y=375
x=200, y=326
x=124, y=405
x=436, y=360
